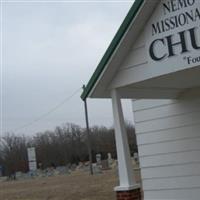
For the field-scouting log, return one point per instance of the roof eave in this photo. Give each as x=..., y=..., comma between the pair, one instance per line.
x=113, y=45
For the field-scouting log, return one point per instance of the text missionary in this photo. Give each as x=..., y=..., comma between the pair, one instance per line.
x=172, y=23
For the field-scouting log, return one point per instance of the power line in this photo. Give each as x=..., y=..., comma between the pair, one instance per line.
x=49, y=112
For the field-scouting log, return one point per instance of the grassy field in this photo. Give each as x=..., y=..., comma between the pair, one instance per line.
x=76, y=186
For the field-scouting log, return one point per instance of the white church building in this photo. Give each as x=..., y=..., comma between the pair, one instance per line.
x=154, y=60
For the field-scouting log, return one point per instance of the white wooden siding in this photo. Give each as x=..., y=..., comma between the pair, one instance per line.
x=135, y=59
x=172, y=194
x=168, y=136
x=136, y=55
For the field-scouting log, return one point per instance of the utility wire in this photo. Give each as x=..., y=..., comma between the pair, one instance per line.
x=48, y=113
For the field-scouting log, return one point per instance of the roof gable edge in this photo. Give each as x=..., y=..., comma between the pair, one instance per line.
x=113, y=45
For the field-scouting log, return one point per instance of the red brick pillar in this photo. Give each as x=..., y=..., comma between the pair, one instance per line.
x=134, y=194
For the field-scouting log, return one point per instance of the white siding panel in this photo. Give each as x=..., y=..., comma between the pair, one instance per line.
x=143, y=104
x=172, y=183
x=181, y=133
x=136, y=54
x=135, y=58
x=174, y=194
x=168, y=136
x=170, y=147
x=126, y=76
x=170, y=159
x=189, y=169
x=168, y=123
x=168, y=110
x=140, y=41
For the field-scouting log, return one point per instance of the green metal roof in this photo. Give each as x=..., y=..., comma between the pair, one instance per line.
x=113, y=45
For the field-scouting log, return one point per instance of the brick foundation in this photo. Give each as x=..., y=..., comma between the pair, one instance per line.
x=129, y=195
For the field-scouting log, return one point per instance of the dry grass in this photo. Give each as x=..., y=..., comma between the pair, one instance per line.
x=76, y=186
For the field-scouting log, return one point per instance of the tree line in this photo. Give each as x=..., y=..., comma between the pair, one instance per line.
x=65, y=145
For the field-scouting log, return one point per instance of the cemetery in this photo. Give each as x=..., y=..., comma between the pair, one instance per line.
x=76, y=186
x=66, y=182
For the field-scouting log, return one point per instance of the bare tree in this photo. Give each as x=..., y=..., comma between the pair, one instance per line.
x=65, y=145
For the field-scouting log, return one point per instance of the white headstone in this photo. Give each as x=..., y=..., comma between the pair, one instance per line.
x=110, y=160
x=32, y=159
x=98, y=159
x=109, y=156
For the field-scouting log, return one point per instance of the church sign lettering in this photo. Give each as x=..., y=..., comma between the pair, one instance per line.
x=177, y=32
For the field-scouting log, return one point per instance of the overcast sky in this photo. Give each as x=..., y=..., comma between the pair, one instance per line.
x=49, y=51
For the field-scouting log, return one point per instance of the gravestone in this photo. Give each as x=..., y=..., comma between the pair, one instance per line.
x=96, y=168
x=105, y=165
x=110, y=160
x=32, y=159
x=98, y=159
